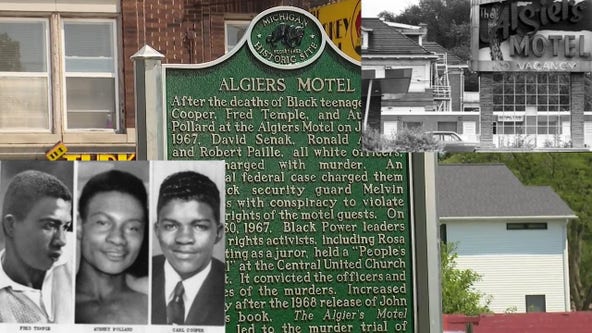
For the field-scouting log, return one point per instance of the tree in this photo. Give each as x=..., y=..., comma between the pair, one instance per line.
x=458, y=294
x=570, y=176
x=448, y=23
x=11, y=54
x=388, y=16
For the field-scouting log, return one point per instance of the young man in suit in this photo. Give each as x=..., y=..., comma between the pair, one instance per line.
x=187, y=283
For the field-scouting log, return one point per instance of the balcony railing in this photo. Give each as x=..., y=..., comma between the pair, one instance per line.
x=441, y=92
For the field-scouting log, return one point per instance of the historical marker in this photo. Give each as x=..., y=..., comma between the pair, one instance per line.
x=319, y=233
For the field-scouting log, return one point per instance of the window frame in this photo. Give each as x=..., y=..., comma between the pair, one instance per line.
x=113, y=22
x=535, y=298
x=447, y=126
x=511, y=226
x=47, y=75
x=245, y=22
x=443, y=233
x=543, y=95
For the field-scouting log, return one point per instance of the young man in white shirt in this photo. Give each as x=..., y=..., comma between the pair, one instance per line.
x=35, y=279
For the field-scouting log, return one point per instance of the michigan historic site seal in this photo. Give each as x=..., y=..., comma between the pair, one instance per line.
x=286, y=38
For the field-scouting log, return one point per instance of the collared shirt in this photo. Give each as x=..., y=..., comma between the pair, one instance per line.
x=191, y=285
x=51, y=303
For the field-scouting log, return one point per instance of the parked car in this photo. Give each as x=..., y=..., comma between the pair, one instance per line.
x=453, y=143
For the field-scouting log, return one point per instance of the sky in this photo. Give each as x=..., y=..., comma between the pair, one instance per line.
x=371, y=8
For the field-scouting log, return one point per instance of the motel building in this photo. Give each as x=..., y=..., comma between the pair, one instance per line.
x=409, y=82
x=532, y=57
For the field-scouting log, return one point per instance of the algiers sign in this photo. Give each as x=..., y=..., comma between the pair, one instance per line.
x=536, y=35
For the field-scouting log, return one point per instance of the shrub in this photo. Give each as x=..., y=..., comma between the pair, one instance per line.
x=404, y=140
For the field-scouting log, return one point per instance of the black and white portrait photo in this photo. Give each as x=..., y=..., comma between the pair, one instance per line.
x=187, y=263
x=36, y=255
x=112, y=232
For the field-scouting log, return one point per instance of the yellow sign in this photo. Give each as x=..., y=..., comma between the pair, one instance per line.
x=343, y=23
x=99, y=157
x=57, y=151
x=60, y=151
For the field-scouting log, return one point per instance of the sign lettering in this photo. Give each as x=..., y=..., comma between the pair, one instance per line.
x=318, y=232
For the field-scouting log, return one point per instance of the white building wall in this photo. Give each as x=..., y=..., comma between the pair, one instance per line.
x=421, y=74
x=389, y=128
x=588, y=134
x=514, y=263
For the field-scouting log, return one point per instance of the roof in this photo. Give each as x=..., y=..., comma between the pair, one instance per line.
x=417, y=28
x=437, y=48
x=386, y=40
x=407, y=30
x=491, y=190
x=534, y=322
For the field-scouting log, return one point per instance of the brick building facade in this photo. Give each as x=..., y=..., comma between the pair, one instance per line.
x=185, y=32
x=65, y=69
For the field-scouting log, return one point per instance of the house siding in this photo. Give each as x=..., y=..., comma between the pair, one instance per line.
x=420, y=76
x=514, y=263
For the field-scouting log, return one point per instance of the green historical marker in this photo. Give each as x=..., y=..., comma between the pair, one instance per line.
x=318, y=232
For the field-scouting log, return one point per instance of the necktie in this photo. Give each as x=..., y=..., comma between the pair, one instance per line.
x=176, y=307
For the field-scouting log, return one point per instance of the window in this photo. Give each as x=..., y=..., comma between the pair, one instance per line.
x=526, y=226
x=535, y=303
x=85, y=93
x=443, y=233
x=542, y=91
x=450, y=126
x=24, y=74
x=364, y=40
x=412, y=125
x=234, y=31
x=532, y=104
x=90, y=77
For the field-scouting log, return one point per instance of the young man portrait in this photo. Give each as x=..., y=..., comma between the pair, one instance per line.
x=112, y=228
x=187, y=282
x=35, y=276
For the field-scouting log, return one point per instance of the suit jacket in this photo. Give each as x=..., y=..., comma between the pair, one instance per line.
x=207, y=307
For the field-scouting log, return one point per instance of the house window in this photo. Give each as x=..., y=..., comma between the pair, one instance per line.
x=526, y=226
x=535, y=303
x=24, y=74
x=449, y=126
x=443, y=233
x=90, y=74
x=234, y=31
x=86, y=90
x=413, y=125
